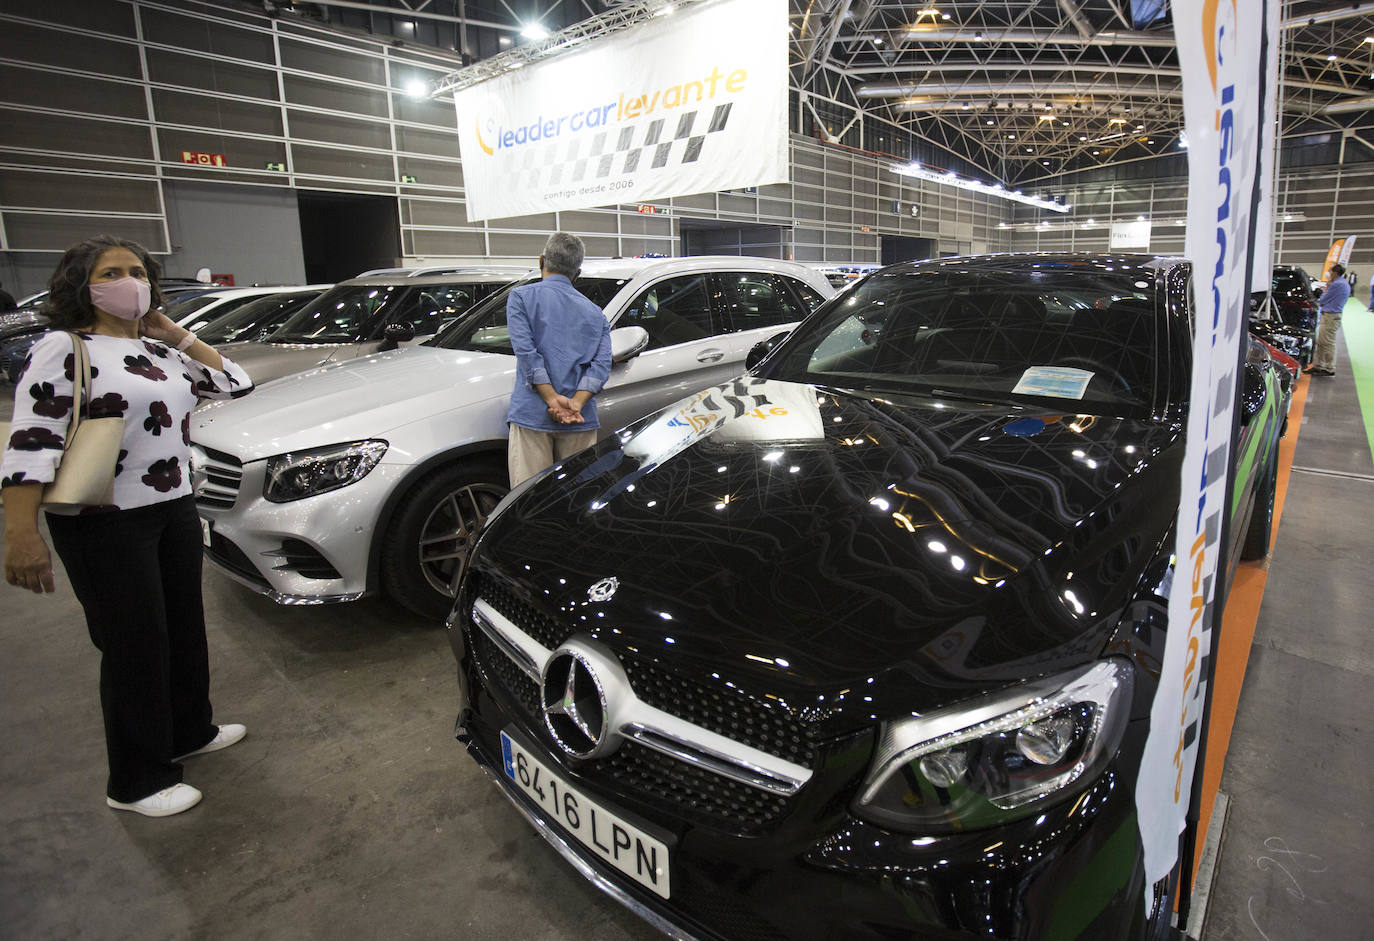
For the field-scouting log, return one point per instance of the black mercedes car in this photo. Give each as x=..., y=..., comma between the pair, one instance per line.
x=863, y=643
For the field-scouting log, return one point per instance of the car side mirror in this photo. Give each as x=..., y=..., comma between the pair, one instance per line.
x=627, y=343
x=762, y=348
x=1252, y=393
x=394, y=334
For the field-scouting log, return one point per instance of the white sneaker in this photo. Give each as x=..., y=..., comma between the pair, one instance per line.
x=226, y=736
x=168, y=801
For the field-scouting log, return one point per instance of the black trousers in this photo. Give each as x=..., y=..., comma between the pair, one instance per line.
x=137, y=575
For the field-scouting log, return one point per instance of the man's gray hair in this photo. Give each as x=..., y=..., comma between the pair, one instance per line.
x=563, y=254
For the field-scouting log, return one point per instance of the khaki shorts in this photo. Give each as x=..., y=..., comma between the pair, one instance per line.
x=532, y=451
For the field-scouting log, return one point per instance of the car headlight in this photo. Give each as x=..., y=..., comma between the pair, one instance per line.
x=991, y=760
x=300, y=474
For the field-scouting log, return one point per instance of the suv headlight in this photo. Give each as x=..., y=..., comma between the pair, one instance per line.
x=300, y=474
x=991, y=760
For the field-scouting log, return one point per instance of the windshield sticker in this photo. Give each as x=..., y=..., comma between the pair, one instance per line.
x=1060, y=382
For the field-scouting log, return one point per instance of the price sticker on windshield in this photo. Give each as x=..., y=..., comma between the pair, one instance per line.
x=1060, y=382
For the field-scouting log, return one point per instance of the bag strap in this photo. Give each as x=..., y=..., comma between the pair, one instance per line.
x=81, y=385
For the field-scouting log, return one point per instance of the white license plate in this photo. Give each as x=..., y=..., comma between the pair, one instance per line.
x=205, y=531
x=620, y=843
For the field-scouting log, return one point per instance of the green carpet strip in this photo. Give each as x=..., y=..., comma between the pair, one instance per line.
x=1357, y=323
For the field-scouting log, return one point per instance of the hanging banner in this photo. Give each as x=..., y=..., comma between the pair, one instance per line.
x=691, y=102
x=1224, y=58
x=1262, y=278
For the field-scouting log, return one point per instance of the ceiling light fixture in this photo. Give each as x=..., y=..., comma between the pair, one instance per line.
x=535, y=32
x=950, y=178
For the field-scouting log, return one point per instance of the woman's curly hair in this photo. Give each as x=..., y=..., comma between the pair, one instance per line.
x=68, y=304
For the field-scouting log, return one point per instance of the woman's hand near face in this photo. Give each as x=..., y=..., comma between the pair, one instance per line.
x=156, y=326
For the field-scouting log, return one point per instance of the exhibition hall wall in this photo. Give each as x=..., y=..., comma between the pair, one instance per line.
x=202, y=131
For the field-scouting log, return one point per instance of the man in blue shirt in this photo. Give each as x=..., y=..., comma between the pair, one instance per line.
x=1331, y=304
x=562, y=346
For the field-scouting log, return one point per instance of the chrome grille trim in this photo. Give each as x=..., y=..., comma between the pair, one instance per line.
x=652, y=727
x=218, y=479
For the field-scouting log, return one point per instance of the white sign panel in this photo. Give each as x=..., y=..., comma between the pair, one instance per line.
x=691, y=102
x=1131, y=234
x=1224, y=60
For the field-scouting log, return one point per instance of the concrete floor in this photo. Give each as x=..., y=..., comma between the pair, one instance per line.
x=350, y=812
x=1297, y=855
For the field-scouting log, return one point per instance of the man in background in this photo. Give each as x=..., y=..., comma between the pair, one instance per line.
x=1331, y=304
x=562, y=346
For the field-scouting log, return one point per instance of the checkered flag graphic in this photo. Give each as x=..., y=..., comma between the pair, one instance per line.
x=599, y=154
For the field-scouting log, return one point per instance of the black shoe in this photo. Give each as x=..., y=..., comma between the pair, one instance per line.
x=1310, y=368
x=1324, y=373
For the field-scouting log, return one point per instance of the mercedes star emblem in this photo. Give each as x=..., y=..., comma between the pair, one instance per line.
x=604, y=590
x=574, y=704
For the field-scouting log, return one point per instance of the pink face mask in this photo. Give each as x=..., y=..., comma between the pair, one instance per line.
x=126, y=298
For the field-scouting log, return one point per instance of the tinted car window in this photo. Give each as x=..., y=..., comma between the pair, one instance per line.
x=216, y=312
x=340, y=315
x=754, y=300
x=675, y=310
x=809, y=297
x=180, y=309
x=484, y=328
x=437, y=306
x=254, y=321
x=1076, y=339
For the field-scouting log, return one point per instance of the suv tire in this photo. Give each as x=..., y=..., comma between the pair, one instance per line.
x=434, y=527
x=1257, y=535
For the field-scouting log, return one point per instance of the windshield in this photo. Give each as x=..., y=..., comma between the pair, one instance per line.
x=340, y=315
x=484, y=329
x=1075, y=338
x=255, y=320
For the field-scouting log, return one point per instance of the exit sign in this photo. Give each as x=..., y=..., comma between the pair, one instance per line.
x=407, y=178
x=279, y=167
x=203, y=160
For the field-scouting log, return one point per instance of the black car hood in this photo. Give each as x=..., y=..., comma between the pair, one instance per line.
x=869, y=556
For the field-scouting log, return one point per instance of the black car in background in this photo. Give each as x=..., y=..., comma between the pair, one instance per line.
x=1287, y=317
x=863, y=644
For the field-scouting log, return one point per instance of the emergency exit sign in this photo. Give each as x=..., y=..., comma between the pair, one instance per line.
x=279, y=167
x=203, y=160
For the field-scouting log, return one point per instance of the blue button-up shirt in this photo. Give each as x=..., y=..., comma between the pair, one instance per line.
x=1334, y=297
x=559, y=338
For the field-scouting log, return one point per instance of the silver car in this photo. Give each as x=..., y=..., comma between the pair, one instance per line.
x=369, y=315
x=376, y=474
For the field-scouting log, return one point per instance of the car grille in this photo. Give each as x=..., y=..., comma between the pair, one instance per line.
x=695, y=793
x=223, y=477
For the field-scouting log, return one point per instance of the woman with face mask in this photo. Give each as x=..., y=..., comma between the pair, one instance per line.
x=135, y=564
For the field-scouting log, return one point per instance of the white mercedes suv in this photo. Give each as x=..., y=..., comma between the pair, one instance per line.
x=376, y=473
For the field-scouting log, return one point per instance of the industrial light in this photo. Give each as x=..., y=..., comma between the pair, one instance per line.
x=950, y=178
x=416, y=88
x=535, y=32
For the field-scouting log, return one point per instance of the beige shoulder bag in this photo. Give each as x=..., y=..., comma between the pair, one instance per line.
x=86, y=475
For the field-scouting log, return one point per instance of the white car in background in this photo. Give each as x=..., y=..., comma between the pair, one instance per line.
x=202, y=309
x=369, y=314
x=376, y=473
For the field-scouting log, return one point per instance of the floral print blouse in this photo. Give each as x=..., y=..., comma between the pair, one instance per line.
x=151, y=385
